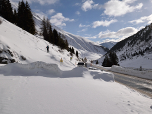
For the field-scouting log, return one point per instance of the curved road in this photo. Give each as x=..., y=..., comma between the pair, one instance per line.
x=143, y=86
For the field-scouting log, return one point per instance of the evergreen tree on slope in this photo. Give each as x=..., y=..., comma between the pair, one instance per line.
x=6, y=10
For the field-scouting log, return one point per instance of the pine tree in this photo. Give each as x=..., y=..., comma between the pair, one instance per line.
x=30, y=25
x=44, y=29
x=15, y=17
x=97, y=62
x=6, y=10
x=72, y=50
x=56, y=37
x=105, y=61
x=21, y=15
x=110, y=59
x=77, y=54
x=113, y=58
x=25, y=18
x=51, y=37
x=66, y=45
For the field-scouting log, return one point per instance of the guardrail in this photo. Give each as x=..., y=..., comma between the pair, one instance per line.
x=139, y=69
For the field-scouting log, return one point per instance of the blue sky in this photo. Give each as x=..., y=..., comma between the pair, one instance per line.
x=97, y=20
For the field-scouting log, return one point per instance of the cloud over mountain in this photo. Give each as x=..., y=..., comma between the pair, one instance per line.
x=122, y=33
x=118, y=8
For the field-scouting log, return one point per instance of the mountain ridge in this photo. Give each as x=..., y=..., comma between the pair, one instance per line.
x=136, y=50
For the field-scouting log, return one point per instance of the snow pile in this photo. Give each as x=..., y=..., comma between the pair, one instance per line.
x=52, y=70
x=32, y=69
x=143, y=74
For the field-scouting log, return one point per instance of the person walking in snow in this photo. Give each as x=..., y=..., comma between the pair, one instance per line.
x=47, y=47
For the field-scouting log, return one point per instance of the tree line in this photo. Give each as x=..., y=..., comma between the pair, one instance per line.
x=22, y=16
x=110, y=59
x=53, y=36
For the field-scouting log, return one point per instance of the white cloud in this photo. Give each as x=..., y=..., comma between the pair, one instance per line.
x=118, y=8
x=59, y=20
x=91, y=37
x=77, y=12
x=103, y=23
x=84, y=25
x=51, y=11
x=147, y=19
x=83, y=30
x=89, y=4
x=77, y=4
x=121, y=34
x=42, y=2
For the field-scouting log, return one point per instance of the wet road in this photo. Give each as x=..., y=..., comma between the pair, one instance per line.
x=143, y=86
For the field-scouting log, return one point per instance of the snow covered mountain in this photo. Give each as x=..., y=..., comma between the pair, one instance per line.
x=82, y=45
x=136, y=50
x=17, y=45
x=85, y=47
x=108, y=45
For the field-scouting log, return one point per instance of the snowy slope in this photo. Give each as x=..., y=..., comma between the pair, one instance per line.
x=17, y=44
x=108, y=45
x=136, y=50
x=86, y=48
x=82, y=45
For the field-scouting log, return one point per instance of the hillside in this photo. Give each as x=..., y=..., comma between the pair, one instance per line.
x=136, y=50
x=85, y=47
x=17, y=45
x=108, y=45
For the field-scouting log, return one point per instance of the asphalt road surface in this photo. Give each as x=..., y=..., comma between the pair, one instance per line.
x=143, y=86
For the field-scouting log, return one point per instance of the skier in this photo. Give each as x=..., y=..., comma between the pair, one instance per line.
x=47, y=48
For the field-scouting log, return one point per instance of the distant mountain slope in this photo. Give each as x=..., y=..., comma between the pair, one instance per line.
x=108, y=45
x=136, y=50
x=79, y=43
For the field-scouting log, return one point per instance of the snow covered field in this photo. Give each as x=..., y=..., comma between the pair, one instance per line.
x=40, y=88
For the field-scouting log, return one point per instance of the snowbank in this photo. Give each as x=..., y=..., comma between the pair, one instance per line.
x=142, y=74
x=32, y=69
x=52, y=70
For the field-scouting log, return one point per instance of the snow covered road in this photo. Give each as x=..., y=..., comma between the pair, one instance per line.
x=142, y=85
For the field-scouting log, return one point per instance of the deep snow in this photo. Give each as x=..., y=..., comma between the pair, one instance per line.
x=40, y=88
